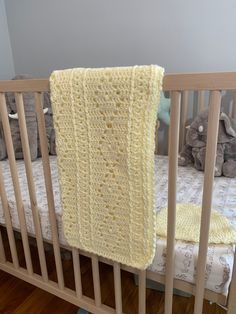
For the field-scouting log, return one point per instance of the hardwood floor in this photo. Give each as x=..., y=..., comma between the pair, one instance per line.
x=19, y=297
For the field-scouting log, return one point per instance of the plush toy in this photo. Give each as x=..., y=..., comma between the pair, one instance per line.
x=49, y=126
x=194, y=150
x=31, y=123
x=164, y=109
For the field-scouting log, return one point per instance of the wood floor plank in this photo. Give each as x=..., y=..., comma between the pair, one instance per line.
x=19, y=297
x=58, y=306
x=12, y=293
x=36, y=302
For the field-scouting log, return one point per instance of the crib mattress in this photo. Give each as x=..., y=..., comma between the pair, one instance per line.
x=190, y=184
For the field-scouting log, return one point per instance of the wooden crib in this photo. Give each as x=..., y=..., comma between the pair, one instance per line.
x=179, y=86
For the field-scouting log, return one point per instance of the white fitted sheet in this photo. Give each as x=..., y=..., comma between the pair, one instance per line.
x=190, y=184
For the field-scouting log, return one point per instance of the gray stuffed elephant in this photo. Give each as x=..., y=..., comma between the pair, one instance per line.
x=50, y=132
x=31, y=123
x=194, y=150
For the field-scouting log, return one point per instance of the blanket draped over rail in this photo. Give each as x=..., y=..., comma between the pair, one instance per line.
x=105, y=125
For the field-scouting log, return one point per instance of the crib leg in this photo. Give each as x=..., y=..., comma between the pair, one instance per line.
x=82, y=311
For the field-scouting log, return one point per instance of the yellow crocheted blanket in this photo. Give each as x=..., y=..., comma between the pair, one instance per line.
x=188, y=220
x=105, y=123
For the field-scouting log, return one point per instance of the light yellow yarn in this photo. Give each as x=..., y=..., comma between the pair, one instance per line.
x=188, y=219
x=105, y=124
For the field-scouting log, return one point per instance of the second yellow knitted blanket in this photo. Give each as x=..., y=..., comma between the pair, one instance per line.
x=188, y=221
x=105, y=123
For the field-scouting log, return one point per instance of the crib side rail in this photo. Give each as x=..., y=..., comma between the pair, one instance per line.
x=31, y=188
x=16, y=183
x=178, y=85
x=199, y=83
x=27, y=273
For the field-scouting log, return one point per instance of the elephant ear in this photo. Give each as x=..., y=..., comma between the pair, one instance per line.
x=196, y=134
x=227, y=128
x=201, y=119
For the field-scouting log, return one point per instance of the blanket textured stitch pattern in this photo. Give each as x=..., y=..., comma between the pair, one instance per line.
x=105, y=126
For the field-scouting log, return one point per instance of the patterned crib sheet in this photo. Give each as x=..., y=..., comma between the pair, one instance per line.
x=189, y=190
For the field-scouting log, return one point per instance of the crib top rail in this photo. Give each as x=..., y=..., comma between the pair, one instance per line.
x=29, y=85
x=200, y=81
x=172, y=82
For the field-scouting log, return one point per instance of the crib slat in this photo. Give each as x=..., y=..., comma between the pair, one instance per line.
x=142, y=292
x=7, y=216
x=30, y=180
x=77, y=273
x=118, y=291
x=184, y=114
x=49, y=190
x=16, y=185
x=96, y=281
x=234, y=106
x=172, y=178
x=201, y=100
x=2, y=252
x=212, y=135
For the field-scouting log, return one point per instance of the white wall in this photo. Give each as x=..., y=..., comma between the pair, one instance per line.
x=6, y=60
x=182, y=36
